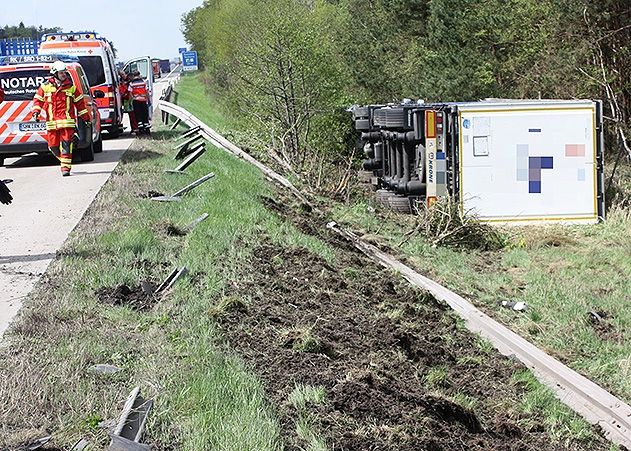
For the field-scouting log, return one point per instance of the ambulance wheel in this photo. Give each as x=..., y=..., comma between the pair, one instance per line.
x=400, y=204
x=87, y=154
x=114, y=131
x=98, y=145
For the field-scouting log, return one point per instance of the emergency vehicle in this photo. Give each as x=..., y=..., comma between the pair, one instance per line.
x=20, y=76
x=97, y=58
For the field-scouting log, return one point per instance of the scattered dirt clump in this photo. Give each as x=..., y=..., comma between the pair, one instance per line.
x=173, y=230
x=149, y=194
x=122, y=295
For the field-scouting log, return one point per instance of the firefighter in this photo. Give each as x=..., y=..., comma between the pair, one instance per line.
x=140, y=97
x=59, y=98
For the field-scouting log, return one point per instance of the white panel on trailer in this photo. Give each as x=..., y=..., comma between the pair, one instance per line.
x=529, y=161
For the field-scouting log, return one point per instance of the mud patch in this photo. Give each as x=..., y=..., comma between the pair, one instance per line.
x=601, y=324
x=374, y=344
x=139, y=155
x=173, y=230
x=136, y=298
x=371, y=342
x=149, y=194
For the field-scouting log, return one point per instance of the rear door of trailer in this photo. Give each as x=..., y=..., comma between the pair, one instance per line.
x=531, y=161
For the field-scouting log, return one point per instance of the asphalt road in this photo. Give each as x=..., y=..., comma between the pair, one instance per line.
x=45, y=209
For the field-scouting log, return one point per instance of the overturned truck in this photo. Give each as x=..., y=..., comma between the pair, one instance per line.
x=508, y=161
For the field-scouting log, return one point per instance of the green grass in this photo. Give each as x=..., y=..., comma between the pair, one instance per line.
x=192, y=95
x=562, y=273
x=205, y=398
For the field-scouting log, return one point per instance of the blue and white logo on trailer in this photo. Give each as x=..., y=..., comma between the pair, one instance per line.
x=189, y=61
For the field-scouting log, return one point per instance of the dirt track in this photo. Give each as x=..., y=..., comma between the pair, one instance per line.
x=373, y=344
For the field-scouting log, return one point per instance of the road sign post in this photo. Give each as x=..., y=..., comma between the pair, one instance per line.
x=189, y=61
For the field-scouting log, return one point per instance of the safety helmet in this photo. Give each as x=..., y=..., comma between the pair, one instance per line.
x=58, y=66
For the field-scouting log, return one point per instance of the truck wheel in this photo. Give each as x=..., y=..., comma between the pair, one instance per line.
x=400, y=204
x=382, y=196
x=87, y=154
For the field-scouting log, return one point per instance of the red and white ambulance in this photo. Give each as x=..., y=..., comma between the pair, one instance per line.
x=97, y=58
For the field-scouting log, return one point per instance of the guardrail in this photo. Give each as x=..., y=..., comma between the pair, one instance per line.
x=588, y=399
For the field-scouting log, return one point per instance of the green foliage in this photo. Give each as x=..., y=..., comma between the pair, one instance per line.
x=289, y=68
x=22, y=31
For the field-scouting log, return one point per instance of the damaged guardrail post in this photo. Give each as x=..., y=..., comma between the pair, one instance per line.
x=176, y=123
x=196, y=221
x=196, y=153
x=173, y=277
x=177, y=196
x=184, y=146
x=128, y=432
x=189, y=132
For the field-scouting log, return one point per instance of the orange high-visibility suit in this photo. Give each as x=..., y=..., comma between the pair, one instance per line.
x=62, y=104
x=140, y=98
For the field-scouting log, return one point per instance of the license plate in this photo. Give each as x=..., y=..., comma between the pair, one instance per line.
x=32, y=126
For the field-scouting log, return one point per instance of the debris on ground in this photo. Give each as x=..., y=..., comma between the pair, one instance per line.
x=518, y=306
x=123, y=295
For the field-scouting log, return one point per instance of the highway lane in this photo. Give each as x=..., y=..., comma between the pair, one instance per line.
x=45, y=209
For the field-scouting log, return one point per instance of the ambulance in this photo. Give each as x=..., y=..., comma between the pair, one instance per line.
x=97, y=58
x=20, y=76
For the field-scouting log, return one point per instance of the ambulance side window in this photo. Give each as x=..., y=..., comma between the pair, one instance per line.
x=112, y=67
x=85, y=89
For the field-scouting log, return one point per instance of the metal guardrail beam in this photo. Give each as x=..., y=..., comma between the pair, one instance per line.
x=585, y=397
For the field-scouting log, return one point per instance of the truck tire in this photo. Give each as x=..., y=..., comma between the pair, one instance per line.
x=87, y=153
x=382, y=196
x=400, y=204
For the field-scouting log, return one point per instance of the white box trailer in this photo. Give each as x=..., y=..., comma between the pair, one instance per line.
x=524, y=161
x=506, y=161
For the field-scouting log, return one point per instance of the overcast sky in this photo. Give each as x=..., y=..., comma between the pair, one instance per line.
x=136, y=27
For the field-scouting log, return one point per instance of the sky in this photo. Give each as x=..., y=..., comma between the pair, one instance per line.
x=136, y=27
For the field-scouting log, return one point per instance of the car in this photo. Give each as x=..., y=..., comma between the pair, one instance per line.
x=20, y=76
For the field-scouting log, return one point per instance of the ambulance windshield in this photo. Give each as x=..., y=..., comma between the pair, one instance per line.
x=93, y=67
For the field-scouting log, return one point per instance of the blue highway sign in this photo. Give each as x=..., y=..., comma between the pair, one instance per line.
x=189, y=60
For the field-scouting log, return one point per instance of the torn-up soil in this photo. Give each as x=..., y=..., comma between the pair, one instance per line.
x=173, y=230
x=149, y=194
x=136, y=298
x=376, y=346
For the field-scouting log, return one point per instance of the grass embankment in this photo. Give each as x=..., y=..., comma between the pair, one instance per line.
x=562, y=273
x=206, y=397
